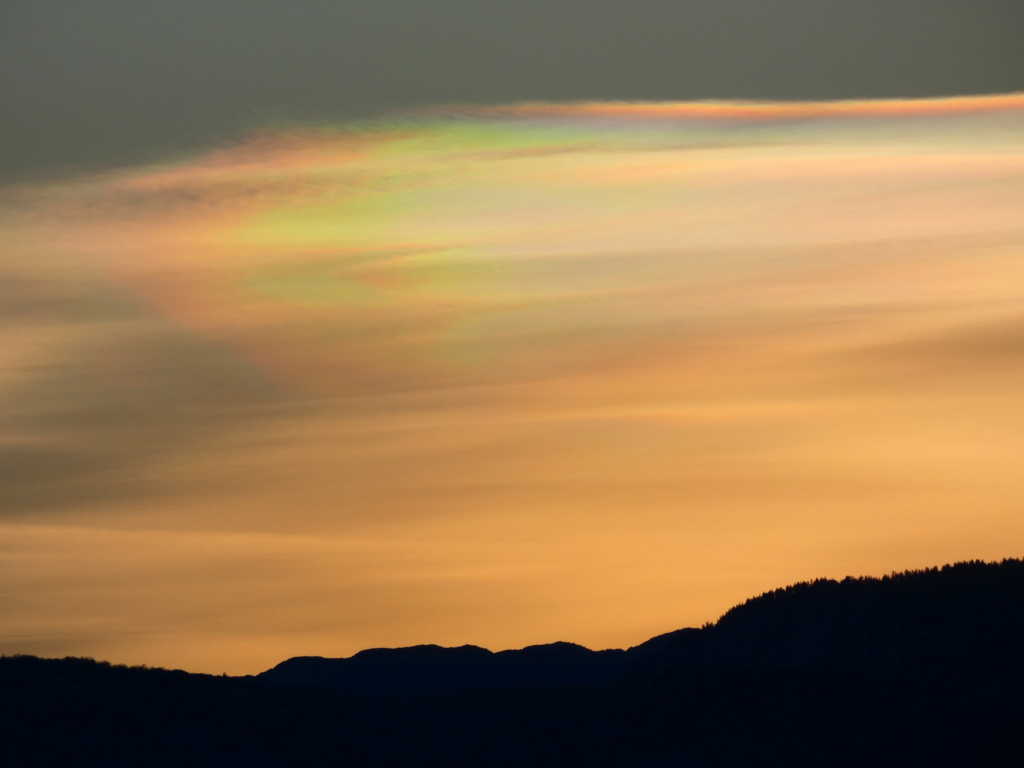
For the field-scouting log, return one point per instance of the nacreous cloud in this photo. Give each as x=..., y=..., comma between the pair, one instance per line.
x=583, y=372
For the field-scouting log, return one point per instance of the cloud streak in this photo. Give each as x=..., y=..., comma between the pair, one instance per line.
x=618, y=364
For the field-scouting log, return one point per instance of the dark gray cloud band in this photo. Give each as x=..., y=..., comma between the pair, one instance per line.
x=120, y=81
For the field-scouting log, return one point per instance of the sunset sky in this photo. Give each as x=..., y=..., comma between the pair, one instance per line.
x=570, y=358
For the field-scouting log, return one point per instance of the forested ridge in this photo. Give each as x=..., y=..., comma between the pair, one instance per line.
x=916, y=668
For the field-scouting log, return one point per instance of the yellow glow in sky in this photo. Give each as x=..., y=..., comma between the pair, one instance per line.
x=545, y=372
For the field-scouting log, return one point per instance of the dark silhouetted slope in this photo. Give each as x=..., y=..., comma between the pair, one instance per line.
x=426, y=668
x=919, y=668
x=967, y=613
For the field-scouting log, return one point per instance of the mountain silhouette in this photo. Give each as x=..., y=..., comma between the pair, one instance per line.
x=917, y=668
x=965, y=611
x=424, y=668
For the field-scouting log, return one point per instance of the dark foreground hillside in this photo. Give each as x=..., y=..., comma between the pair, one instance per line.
x=922, y=668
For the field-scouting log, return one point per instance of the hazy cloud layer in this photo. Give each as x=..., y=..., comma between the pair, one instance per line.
x=583, y=372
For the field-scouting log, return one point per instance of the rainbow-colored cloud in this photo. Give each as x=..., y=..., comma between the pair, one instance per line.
x=607, y=356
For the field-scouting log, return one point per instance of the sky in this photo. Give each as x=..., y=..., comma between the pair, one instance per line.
x=91, y=84
x=365, y=325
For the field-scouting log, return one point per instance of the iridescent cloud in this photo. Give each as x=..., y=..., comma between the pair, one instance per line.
x=615, y=366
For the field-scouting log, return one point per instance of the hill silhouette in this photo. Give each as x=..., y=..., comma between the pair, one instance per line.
x=966, y=611
x=917, y=668
x=426, y=668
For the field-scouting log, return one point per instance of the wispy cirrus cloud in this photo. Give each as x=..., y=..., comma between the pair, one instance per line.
x=641, y=360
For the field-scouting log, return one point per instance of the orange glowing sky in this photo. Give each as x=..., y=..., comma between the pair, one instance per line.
x=584, y=372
